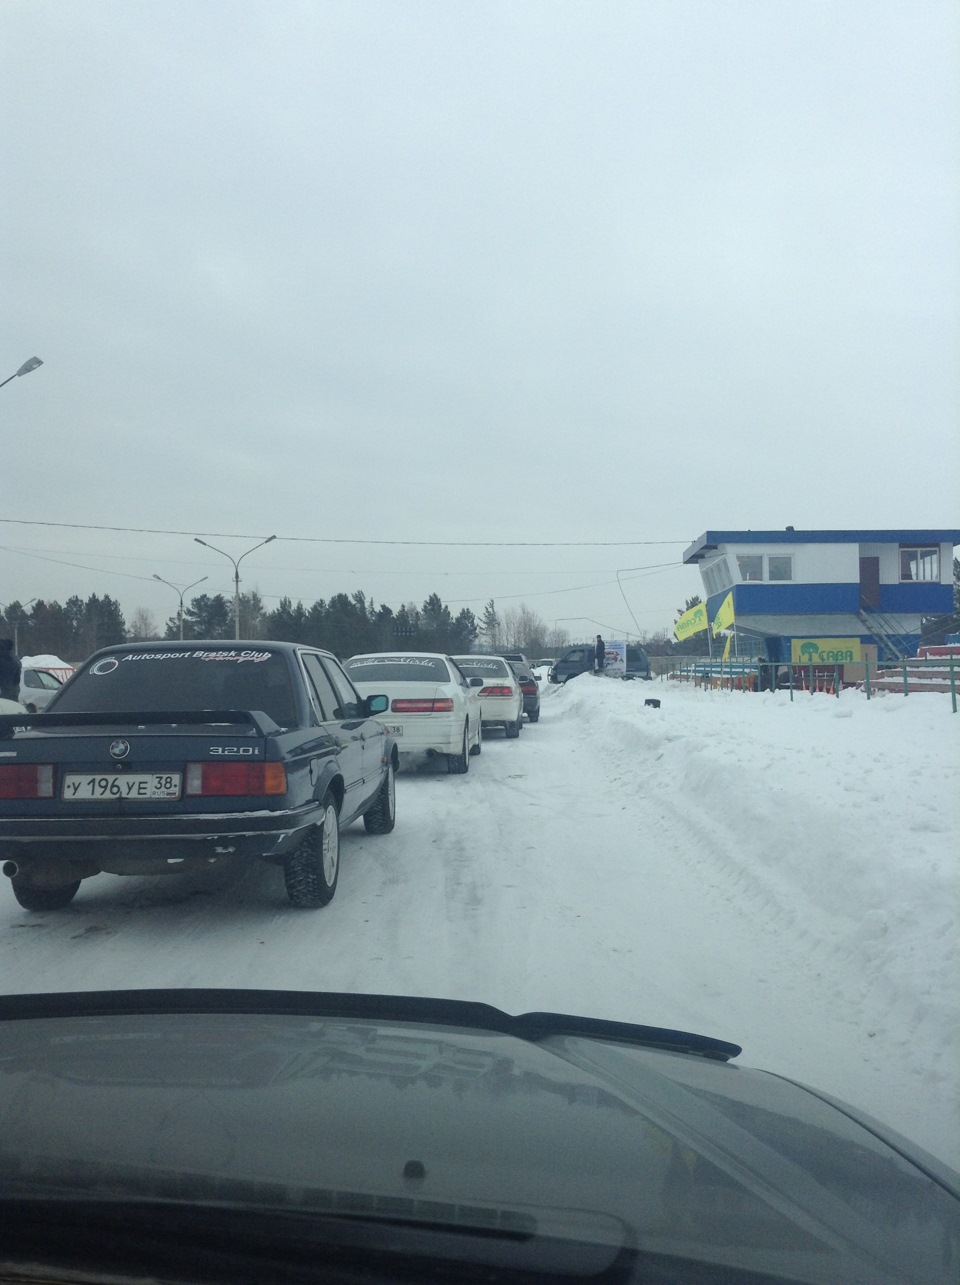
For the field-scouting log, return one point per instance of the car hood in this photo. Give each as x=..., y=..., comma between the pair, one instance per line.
x=630, y=1138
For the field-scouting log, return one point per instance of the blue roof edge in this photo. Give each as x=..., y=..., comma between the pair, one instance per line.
x=906, y=535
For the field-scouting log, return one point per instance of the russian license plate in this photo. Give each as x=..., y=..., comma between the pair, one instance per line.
x=121, y=785
x=394, y=729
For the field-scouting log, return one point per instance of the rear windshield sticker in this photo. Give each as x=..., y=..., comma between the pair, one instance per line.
x=391, y=660
x=237, y=656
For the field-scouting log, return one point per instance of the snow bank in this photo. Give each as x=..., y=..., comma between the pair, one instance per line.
x=836, y=825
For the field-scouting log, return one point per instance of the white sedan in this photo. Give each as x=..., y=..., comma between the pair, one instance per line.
x=501, y=700
x=434, y=707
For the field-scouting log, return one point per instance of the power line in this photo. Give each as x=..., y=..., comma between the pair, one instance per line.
x=316, y=539
x=47, y=555
x=79, y=566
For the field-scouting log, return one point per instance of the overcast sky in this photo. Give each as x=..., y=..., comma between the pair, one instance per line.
x=483, y=299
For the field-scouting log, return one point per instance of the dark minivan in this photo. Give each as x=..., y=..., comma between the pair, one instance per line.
x=579, y=660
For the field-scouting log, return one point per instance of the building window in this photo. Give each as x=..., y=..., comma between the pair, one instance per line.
x=751, y=566
x=715, y=576
x=920, y=564
x=779, y=568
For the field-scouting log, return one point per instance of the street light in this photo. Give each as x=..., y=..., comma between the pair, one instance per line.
x=18, y=622
x=25, y=369
x=236, y=574
x=181, y=592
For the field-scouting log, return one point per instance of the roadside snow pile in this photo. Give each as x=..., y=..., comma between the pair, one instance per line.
x=834, y=823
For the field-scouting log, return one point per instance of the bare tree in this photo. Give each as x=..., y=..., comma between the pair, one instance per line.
x=523, y=630
x=142, y=626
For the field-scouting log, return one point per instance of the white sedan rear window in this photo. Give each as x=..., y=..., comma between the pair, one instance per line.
x=482, y=666
x=398, y=669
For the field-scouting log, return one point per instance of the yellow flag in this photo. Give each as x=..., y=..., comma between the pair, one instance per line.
x=691, y=622
x=724, y=617
x=726, y=648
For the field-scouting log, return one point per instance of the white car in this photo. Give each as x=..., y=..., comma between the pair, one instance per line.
x=434, y=707
x=37, y=688
x=11, y=707
x=501, y=700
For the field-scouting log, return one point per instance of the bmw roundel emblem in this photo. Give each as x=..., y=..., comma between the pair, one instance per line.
x=119, y=749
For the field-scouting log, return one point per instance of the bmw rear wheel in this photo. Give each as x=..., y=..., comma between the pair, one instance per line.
x=312, y=869
x=379, y=818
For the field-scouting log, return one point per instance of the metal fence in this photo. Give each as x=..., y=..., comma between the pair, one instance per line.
x=907, y=677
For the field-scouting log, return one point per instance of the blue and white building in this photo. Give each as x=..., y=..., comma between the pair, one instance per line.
x=793, y=589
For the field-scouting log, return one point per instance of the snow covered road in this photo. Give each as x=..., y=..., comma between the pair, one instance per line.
x=780, y=875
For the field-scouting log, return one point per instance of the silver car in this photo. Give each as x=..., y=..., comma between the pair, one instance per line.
x=37, y=689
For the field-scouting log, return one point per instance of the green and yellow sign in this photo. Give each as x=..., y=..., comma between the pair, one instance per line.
x=825, y=651
x=724, y=618
x=691, y=622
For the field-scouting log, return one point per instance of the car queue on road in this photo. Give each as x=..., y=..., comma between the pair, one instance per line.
x=441, y=706
x=158, y=757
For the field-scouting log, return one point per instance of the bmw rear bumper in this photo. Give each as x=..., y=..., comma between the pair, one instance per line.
x=149, y=844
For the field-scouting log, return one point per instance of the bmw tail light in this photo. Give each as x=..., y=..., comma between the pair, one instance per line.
x=211, y=779
x=423, y=705
x=496, y=691
x=26, y=781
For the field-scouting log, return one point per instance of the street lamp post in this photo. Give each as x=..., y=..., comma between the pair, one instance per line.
x=25, y=369
x=19, y=621
x=180, y=592
x=236, y=574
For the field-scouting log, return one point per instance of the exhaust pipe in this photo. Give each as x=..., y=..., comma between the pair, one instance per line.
x=10, y=869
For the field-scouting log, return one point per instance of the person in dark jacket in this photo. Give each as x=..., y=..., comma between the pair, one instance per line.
x=9, y=671
x=599, y=654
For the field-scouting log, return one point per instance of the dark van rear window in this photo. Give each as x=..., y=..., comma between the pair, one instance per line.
x=183, y=678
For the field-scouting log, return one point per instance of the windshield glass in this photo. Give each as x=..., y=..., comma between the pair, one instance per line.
x=40, y=678
x=398, y=669
x=482, y=665
x=183, y=679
